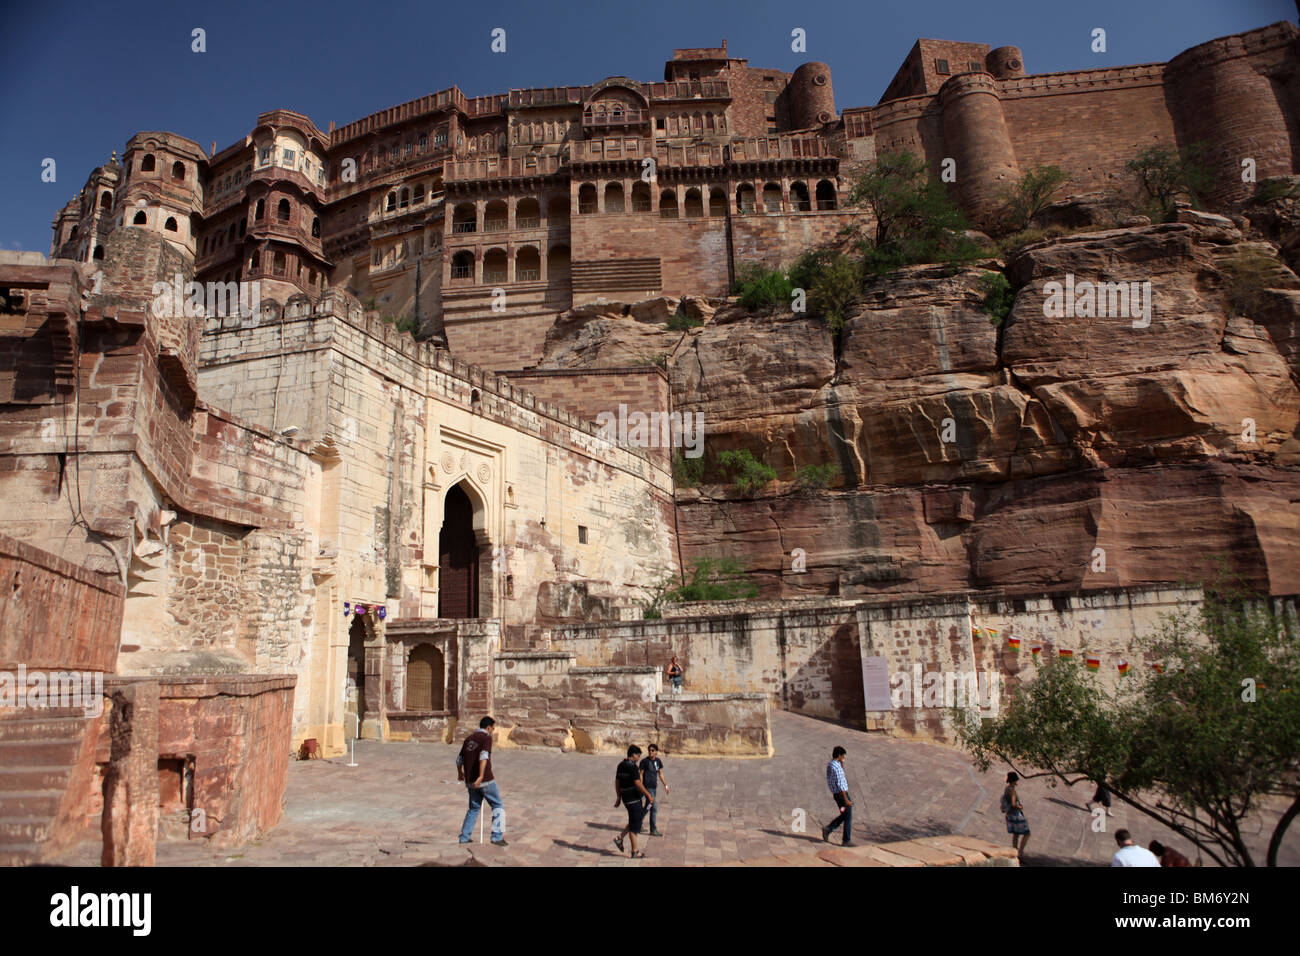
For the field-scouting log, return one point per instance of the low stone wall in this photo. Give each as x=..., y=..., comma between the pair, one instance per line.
x=54, y=614
x=216, y=747
x=544, y=699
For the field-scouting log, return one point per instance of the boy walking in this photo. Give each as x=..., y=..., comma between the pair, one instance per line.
x=652, y=768
x=629, y=790
x=474, y=767
x=839, y=785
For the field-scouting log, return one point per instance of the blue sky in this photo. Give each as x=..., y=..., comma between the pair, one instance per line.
x=78, y=79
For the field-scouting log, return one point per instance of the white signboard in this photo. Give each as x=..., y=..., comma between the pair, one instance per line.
x=875, y=684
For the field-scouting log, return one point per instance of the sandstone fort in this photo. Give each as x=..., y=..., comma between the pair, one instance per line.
x=376, y=501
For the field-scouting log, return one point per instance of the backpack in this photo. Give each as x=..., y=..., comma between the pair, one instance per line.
x=1006, y=803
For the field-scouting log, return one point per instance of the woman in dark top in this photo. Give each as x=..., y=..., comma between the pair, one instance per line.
x=675, y=675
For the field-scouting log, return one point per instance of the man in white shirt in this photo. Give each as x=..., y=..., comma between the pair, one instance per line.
x=1130, y=854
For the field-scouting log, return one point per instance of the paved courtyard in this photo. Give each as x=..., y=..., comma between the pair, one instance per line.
x=402, y=806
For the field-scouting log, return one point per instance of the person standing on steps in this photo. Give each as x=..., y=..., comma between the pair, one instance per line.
x=675, y=675
x=652, y=768
x=839, y=785
x=474, y=767
x=1017, y=825
x=629, y=790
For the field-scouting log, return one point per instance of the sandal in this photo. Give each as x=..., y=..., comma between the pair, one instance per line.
x=639, y=855
x=618, y=842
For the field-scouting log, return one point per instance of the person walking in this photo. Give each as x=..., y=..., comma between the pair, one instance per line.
x=652, y=769
x=839, y=785
x=629, y=790
x=1130, y=854
x=1017, y=825
x=675, y=675
x=474, y=767
x=1167, y=855
x=1101, y=797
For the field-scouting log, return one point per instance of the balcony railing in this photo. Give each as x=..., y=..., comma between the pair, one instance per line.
x=615, y=117
x=528, y=275
x=826, y=204
x=586, y=208
x=494, y=225
x=458, y=227
x=640, y=205
x=494, y=276
x=527, y=222
x=462, y=272
x=497, y=167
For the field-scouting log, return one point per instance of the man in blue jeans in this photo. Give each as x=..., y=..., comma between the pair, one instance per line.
x=474, y=767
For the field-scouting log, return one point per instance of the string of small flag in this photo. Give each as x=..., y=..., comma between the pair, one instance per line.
x=361, y=610
x=1091, y=661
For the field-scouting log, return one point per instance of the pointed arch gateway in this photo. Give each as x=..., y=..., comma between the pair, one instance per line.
x=461, y=545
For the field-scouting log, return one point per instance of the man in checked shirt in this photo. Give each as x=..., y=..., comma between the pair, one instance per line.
x=839, y=785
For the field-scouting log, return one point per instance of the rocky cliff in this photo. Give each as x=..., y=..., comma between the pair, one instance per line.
x=1053, y=451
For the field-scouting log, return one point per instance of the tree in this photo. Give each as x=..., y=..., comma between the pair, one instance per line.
x=747, y=473
x=1194, y=744
x=711, y=579
x=1031, y=195
x=1164, y=174
x=916, y=221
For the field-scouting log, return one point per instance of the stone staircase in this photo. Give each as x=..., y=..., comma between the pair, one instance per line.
x=41, y=771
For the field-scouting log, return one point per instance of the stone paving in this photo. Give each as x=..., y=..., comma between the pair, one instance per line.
x=403, y=806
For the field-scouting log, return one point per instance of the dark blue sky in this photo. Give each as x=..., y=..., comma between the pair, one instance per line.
x=78, y=79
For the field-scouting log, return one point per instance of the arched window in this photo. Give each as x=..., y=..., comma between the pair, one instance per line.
x=425, y=679
x=105, y=201
x=255, y=261
x=694, y=205
x=277, y=263
x=586, y=199
x=417, y=194
x=424, y=142
x=282, y=210
x=315, y=227
x=464, y=218
x=140, y=219
x=771, y=198
x=528, y=265
x=825, y=194
x=495, y=267
x=528, y=214
x=668, y=204
x=614, y=197
x=462, y=266
x=494, y=216
x=392, y=202
x=641, y=197
x=99, y=252
x=170, y=224
x=717, y=202
x=403, y=198
x=745, y=198
x=178, y=171
x=147, y=164
x=799, y=197
x=260, y=210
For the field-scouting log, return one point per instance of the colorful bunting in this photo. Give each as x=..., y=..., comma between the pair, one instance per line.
x=1065, y=653
x=1013, y=642
x=1094, y=663
x=1122, y=667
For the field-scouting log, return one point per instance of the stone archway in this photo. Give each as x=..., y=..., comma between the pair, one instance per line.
x=355, y=699
x=459, y=554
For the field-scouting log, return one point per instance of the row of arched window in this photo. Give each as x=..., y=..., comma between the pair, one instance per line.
x=747, y=199
x=528, y=215
x=496, y=265
x=149, y=165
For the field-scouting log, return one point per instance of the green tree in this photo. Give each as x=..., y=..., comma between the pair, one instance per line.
x=747, y=473
x=1034, y=192
x=1165, y=174
x=999, y=297
x=1194, y=745
x=762, y=288
x=916, y=220
x=815, y=477
x=709, y=579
